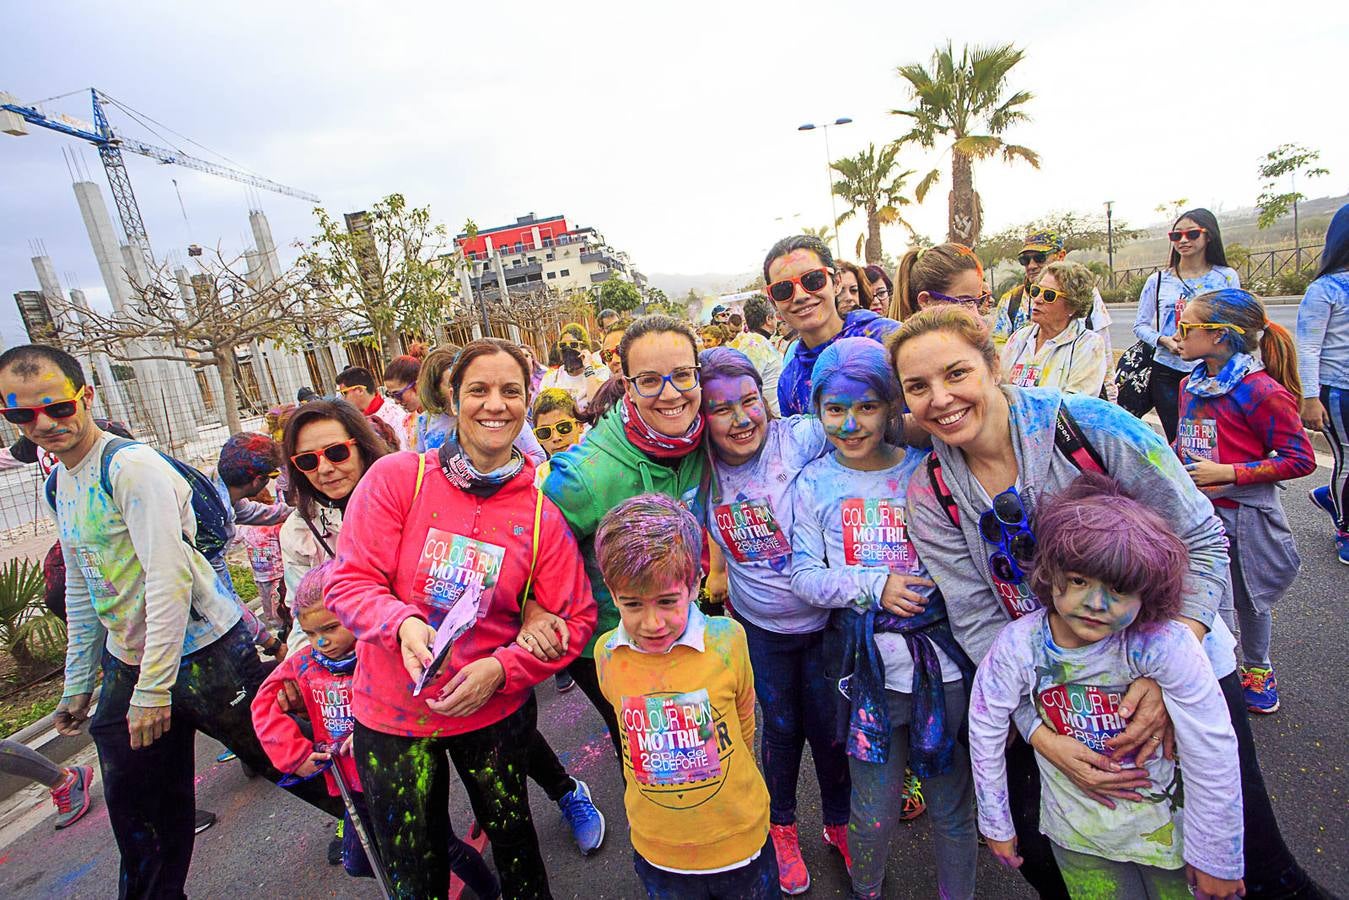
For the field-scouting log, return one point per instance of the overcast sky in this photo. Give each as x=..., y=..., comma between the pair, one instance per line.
x=669, y=127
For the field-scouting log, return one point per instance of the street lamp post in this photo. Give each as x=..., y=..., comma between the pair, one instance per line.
x=829, y=172
x=1110, y=238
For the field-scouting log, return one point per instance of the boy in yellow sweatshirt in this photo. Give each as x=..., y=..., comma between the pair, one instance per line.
x=682, y=688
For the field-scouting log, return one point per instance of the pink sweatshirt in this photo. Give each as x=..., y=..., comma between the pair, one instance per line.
x=327, y=697
x=397, y=553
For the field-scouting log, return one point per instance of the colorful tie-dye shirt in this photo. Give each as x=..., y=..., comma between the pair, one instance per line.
x=1077, y=693
x=132, y=579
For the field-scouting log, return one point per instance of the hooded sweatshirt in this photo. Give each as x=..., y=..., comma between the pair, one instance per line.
x=327, y=699
x=1133, y=454
x=601, y=472
x=403, y=549
x=794, y=383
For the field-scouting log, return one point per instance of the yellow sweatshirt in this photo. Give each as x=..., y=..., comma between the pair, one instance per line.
x=695, y=798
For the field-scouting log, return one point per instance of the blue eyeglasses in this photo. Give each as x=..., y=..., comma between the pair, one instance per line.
x=1006, y=527
x=649, y=384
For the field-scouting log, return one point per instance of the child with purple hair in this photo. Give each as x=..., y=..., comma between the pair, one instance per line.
x=1114, y=569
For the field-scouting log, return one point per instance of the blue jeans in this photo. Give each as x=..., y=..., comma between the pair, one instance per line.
x=799, y=704
x=755, y=881
x=149, y=792
x=878, y=800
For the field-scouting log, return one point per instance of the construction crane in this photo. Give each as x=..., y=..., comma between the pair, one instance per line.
x=14, y=115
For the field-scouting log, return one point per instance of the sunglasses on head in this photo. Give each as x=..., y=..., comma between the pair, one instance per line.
x=1190, y=234
x=563, y=428
x=961, y=301
x=1184, y=328
x=1038, y=255
x=812, y=281
x=335, y=453
x=27, y=415
x=1048, y=295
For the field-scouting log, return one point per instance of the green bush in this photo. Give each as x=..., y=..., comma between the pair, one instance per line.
x=1123, y=291
x=244, y=585
x=29, y=632
x=1293, y=283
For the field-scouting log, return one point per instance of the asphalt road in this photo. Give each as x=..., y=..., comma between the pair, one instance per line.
x=268, y=844
x=1122, y=322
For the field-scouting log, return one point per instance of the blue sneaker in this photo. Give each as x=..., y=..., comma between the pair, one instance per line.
x=1261, y=690
x=1342, y=546
x=1321, y=497
x=586, y=822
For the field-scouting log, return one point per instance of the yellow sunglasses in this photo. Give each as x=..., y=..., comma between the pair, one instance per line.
x=1186, y=327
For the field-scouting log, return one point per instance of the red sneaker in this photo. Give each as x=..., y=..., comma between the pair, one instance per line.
x=793, y=876
x=836, y=836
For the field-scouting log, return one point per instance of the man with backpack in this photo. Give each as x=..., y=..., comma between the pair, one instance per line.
x=176, y=657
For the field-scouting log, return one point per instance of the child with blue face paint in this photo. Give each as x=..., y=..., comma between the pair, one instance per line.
x=899, y=664
x=1240, y=435
x=756, y=459
x=1114, y=570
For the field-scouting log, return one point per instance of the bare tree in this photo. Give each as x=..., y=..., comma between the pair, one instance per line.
x=226, y=309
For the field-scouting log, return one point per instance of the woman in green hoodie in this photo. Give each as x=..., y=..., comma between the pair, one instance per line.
x=651, y=440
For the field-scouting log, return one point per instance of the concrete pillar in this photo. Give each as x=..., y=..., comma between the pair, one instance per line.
x=471, y=304
x=172, y=383
x=213, y=396
x=268, y=263
x=65, y=322
x=538, y=241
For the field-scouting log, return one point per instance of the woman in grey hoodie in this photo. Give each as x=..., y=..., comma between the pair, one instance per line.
x=998, y=450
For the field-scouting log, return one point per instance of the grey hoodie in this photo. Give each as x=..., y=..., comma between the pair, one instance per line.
x=1133, y=454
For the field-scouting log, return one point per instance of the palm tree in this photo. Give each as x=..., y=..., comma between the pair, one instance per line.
x=957, y=98
x=824, y=233
x=871, y=184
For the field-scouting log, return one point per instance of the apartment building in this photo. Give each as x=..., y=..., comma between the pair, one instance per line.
x=544, y=252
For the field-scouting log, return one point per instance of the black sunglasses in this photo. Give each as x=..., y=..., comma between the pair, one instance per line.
x=1039, y=256
x=335, y=453
x=27, y=415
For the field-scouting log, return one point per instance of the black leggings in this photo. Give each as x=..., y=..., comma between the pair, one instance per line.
x=1271, y=870
x=407, y=784
x=583, y=671
x=1165, y=385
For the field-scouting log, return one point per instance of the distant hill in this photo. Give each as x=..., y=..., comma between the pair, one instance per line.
x=706, y=283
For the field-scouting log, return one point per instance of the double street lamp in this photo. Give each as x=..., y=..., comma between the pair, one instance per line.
x=829, y=172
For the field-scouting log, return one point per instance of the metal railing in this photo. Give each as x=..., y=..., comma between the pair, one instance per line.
x=1257, y=266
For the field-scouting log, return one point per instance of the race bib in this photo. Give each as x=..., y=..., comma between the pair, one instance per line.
x=1083, y=712
x=449, y=565
x=1023, y=375
x=334, y=704
x=1016, y=598
x=751, y=531
x=672, y=740
x=1197, y=439
x=874, y=534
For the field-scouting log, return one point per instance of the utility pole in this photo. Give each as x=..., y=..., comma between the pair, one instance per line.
x=1110, y=238
x=829, y=174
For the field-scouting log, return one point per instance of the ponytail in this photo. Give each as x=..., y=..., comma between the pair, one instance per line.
x=1279, y=354
x=930, y=269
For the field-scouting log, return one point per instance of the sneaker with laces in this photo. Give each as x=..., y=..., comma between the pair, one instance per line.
x=914, y=804
x=836, y=836
x=584, y=819
x=793, y=876
x=1342, y=546
x=564, y=681
x=1261, y=690
x=71, y=796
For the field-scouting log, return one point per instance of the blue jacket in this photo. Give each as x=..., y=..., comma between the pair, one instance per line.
x=794, y=383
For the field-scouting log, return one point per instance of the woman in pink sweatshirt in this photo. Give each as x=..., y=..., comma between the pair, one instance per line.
x=453, y=541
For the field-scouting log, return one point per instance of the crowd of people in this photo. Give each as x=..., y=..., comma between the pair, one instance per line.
x=922, y=529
